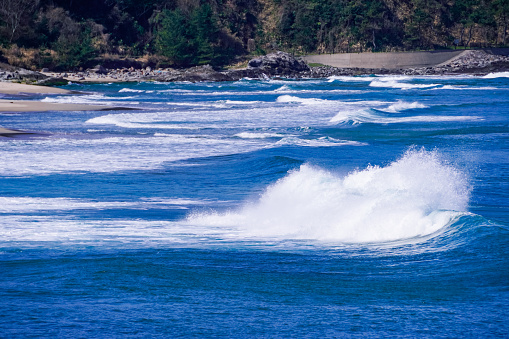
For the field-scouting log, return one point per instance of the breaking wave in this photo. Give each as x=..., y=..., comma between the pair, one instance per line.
x=415, y=196
x=392, y=82
x=402, y=106
x=496, y=75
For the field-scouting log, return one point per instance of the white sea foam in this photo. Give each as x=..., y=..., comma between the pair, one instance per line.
x=349, y=78
x=395, y=82
x=465, y=87
x=31, y=205
x=320, y=142
x=28, y=204
x=83, y=99
x=496, y=75
x=304, y=101
x=103, y=232
x=252, y=135
x=414, y=196
x=47, y=156
x=238, y=102
x=370, y=116
x=131, y=90
x=402, y=106
x=146, y=120
x=283, y=88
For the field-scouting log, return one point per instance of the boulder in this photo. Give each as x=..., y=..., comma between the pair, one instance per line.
x=53, y=82
x=99, y=69
x=195, y=74
x=279, y=63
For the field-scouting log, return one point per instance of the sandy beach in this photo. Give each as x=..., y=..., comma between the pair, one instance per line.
x=11, y=105
x=38, y=106
x=15, y=88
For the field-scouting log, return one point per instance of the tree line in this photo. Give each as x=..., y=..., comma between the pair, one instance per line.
x=68, y=34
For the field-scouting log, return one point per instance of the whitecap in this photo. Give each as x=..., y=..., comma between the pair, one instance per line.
x=345, y=78
x=305, y=101
x=371, y=116
x=496, y=75
x=252, y=135
x=123, y=90
x=320, y=142
x=412, y=197
x=395, y=83
x=402, y=106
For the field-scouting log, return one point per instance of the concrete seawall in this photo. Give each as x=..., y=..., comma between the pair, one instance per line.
x=392, y=60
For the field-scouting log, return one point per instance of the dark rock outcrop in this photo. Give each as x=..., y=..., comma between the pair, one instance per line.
x=53, y=82
x=196, y=74
x=11, y=73
x=279, y=63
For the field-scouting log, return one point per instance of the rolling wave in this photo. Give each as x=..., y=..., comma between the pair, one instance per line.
x=412, y=197
x=377, y=116
x=403, y=106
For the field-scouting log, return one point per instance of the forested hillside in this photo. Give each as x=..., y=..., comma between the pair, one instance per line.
x=68, y=34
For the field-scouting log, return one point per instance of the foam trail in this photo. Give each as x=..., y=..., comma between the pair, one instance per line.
x=370, y=116
x=414, y=196
x=304, y=101
x=496, y=75
x=252, y=135
x=391, y=82
x=402, y=106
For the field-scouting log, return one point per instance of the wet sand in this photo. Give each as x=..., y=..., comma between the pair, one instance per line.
x=12, y=105
x=15, y=88
x=38, y=106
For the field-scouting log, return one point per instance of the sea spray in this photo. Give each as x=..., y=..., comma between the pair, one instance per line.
x=417, y=195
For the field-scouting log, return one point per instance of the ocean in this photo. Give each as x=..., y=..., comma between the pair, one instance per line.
x=370, y=206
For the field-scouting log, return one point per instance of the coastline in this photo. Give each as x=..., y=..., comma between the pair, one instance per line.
x=275, y=65
x=38, y=106
x=284, y=65
x=20, y=106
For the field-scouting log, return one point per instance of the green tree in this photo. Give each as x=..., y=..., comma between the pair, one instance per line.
x=205, y=34
x=501, y=11
x=74, y=46
x=175, y=38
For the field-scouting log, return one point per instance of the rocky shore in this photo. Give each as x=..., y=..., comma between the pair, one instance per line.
x=280, y=64
x=475, y=62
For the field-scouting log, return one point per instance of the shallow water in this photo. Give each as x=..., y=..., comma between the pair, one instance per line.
x=348, y=206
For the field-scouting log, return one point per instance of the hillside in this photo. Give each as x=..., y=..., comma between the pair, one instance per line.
x=66, y=35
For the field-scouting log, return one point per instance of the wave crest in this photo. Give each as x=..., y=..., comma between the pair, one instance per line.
x=414, y=196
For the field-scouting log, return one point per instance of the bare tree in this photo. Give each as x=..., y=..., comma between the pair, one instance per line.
x=13, y=13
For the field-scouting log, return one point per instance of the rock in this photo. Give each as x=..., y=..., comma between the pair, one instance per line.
x=20, y=74
x=53, y=82
x=194, y=74
x=99, y=69
x=279, y=63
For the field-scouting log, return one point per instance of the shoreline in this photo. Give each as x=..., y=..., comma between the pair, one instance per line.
x=276, y=65
x=15, y=105
x=284, y=65
x=38, y=106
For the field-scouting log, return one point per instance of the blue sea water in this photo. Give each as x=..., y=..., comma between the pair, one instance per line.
x=373, y=206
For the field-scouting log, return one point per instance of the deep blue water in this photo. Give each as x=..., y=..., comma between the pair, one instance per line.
x=342, y=207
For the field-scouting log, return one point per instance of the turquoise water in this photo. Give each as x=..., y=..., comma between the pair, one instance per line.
x=349, y=206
